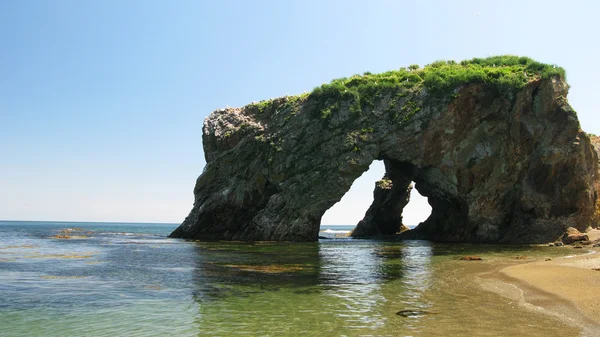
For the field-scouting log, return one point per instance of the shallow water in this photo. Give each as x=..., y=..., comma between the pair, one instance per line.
x=112, y=279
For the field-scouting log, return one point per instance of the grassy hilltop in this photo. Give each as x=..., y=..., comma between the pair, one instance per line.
x=505, y=73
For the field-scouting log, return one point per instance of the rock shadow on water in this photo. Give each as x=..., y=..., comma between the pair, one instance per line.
x=243, y=269
x=354, y=283
x=225, y=269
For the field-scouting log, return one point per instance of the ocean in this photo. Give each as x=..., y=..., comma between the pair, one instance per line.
x=124, y=279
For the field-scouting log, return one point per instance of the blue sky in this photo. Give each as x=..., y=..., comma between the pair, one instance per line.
x=102, y=102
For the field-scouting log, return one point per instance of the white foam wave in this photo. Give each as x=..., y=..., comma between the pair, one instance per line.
x=335, y=231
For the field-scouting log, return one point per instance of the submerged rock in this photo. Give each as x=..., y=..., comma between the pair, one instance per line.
x=498, y=152
x=471, y=258
x=415, y=312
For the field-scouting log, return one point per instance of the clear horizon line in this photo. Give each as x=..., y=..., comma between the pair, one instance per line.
x=124, y=222
x=79, y=221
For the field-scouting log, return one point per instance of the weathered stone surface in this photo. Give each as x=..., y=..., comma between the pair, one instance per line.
x=495, y=167
x=573, y=235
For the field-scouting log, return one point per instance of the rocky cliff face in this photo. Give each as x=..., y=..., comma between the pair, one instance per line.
x=498, y=162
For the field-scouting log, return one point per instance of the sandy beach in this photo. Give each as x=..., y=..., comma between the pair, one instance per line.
x=566, y=287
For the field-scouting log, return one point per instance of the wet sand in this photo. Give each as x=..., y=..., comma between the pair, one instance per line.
x=567, y=288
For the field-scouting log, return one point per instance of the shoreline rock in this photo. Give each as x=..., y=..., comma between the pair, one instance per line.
x=498, y=164
x=573, y=235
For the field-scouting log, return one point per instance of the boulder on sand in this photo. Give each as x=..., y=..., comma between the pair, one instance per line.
x=573, y=235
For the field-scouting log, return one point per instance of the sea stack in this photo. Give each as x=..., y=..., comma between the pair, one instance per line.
x=492, y=143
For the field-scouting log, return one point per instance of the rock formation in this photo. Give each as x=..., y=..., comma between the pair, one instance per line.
x=492, y=143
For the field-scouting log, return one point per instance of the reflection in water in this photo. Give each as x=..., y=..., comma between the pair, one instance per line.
x=244, y=287
x=416, y=281
x=353, y=277
x=418, y=274
x=243, y=269
x=337, y=286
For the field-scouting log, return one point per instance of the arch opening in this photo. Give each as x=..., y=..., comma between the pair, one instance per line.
x=437, y=212
x=341, y=218
x=384, y=218
x=394, y=206
x=417, y=210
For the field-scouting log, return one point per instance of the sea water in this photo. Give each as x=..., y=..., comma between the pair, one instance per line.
x=119, y=279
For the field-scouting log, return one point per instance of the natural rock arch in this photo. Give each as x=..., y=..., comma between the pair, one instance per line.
x=498, y=162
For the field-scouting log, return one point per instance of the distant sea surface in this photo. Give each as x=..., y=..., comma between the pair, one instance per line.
x=124, y=279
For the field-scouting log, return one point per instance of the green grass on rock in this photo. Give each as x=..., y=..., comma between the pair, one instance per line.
x=505, y=73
